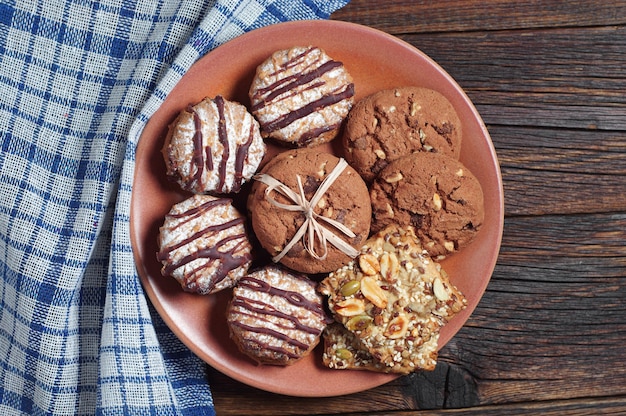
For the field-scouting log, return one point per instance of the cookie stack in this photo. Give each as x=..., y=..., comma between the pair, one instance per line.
x=341, y=245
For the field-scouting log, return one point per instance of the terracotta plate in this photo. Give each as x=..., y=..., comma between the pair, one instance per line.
x=376, y=60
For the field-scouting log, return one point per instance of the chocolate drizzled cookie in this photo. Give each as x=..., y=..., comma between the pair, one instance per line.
x=203, y=244
x=301, y=96
x=213, y=147
x=276, y=316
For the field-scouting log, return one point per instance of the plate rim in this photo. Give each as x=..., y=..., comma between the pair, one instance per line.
x=236, y=43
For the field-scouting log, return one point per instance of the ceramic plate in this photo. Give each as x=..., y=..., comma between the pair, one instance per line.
x=376, y=61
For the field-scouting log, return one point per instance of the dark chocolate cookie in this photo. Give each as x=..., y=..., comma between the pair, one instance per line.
x=434, y=193
x=346, y=202
x=392, y=123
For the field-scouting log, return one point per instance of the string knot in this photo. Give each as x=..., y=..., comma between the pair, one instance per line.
x=315, y=226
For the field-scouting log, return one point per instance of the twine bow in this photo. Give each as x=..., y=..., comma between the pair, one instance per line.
x=311, y=228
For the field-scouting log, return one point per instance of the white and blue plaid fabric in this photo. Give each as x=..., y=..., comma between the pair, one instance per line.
x=78, y=81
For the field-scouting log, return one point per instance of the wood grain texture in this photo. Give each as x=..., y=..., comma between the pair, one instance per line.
x=549, y=335
x=423, y=16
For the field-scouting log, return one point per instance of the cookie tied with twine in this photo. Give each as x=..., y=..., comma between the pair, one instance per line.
x=310, y=210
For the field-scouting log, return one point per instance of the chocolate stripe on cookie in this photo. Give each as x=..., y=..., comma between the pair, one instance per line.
x=294, y=298
x=291, y=63
x=199, y=210
x=242, y=154
x=298, y=80
x=275, y=334
x=267, y=309
x=307, y=137
x=200, y=158
x=326, y=101
x=228, y=259
x=212, y=229
x=223, y=138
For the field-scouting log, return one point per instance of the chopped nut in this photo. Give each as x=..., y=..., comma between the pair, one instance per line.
x=459, y=172
x=322, y=172
x=389, y=210
x=369, y=264
x=397, y=327
x=380, y=154
x=437, y=202
x=449, y=245
x=389, y=266
x=396, y=177
x=373, y=292
x=440, y=290
x=350, y=307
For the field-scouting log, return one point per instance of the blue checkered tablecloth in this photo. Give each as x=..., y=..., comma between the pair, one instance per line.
x=78, y=81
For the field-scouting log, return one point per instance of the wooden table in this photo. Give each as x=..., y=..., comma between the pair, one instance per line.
x=549, y=79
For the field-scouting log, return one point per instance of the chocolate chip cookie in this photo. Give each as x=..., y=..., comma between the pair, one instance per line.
x=434, y=193
x=393, y=123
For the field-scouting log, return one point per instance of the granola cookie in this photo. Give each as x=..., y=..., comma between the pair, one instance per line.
x=434, y=193
x=301, y=96
x=393, y=123
x=394, y=299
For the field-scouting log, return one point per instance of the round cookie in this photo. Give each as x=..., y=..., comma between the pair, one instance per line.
x=392, y=123
x=275, y=316
x=301, y=96
x=434, y=193
x=213, y=147
x=346, y=201
x=203, y=244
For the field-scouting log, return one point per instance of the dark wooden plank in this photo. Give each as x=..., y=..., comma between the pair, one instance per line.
x=561, y=171
x=558, y=78
x=400, y=16
x=582, y=407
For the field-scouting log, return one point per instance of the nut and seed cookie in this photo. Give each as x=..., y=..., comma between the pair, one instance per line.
x=393, y=123
x=343, y=351
x=434, y=193
x=204, y=245
x=213, y=147
x=301, y=96
x=276, y=316
x=394, y=298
